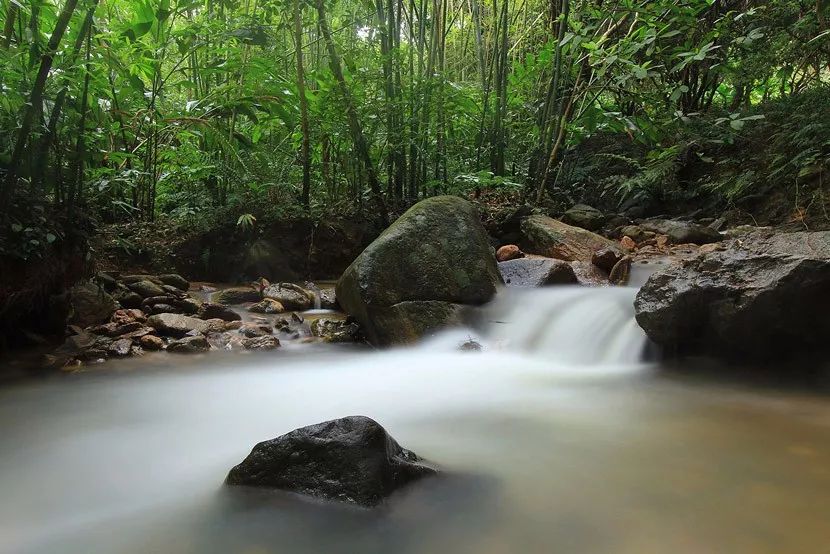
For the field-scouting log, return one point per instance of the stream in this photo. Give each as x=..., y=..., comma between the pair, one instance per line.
x=559, y=435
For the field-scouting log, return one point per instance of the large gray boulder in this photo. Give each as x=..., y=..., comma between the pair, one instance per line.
x=761, y=296
x=352, y=459
x=548, y=237
x=420, y=272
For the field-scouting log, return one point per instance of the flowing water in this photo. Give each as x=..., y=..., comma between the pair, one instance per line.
x=555, y=437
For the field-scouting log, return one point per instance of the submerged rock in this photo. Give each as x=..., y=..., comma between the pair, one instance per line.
x=551, y=238
x=759, y=297
x=418, y=274
x=352, y=459
x=536, y=272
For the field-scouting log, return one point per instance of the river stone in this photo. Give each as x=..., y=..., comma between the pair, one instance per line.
x=209, y=310
x=508, y=252
x=584, y=216
x=267, y=306
x=120, y=347
x=352, y=460
x=146, y=288
x=413, y=279
x=89, y=304
x=291, y=296
x=759, y=297
x=536, y=272
x=554, y=239
x=606, y=258
x=189, y=345
x=236, y=295
x=261, y=343
x=174, y=281
x=177, y=325
x=682, y=232
x=127, y=298
x=335, y=330
x=151, y=342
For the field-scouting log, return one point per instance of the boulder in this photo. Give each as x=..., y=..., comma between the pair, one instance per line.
x=621, y=271
x=418, y=274
x=682, y=232
x=89, y=304
x=509, y=252
x=209, y=310
x=628, y=244
x=174, y=281
x=189, y=345
x=328, y=299
x=127, y=298
x=252, y=330
x=551, y=238
x=146, y=288
x=176, y=325
x=236, y=295
x=335, y=330
x=759, y=297
x=584, y=216
x=291, y=296
x=633, y=232
x=120, y=347
x=352, y=460
x=536, y=272
x=606, y=258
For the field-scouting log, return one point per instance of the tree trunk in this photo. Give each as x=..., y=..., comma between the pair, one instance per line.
x=305, y=154
x=355, y=128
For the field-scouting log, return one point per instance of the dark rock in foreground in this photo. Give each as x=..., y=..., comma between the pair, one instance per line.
x=352, y=459
x=759, y=297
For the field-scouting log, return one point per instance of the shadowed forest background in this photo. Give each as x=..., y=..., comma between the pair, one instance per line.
x=173, y=118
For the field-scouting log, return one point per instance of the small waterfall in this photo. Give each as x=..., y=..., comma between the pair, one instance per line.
x=569, y=325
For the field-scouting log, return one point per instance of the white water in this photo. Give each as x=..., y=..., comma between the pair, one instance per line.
x=555, y=437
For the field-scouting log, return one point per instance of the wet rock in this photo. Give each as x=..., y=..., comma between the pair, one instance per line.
x=120, y=347
x=351, y=460
x=509, y=252
x=589, y=275
x=236, y=295
x=267, y=306
x=470, y=346
x=634, y=232
x=628, y=244
x=189, y=345
x=417, y=275
x=128, y=315
x=89, y=304
x=209, y=310
x=189, y=305
x=335, y=330
x=176, y=325
x=261, y=343
x=252, y=330
x=146, y=288
x=760, y=297
x=621, y=271
x=606, y=258
x=584, y=216
x=553, y=239
x=232, y=325
x=291, y=296
x=174, y=281
x=328, y=299
x=163, y=309
x=216, y=325
x=151, y=342
x=536, y=272
x=682, y=232
x=115, y=329
x=127, y=298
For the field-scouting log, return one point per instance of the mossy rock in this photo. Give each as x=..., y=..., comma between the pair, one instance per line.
x=414, y=277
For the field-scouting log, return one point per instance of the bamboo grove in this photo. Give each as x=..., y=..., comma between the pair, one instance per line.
x=135, y=108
